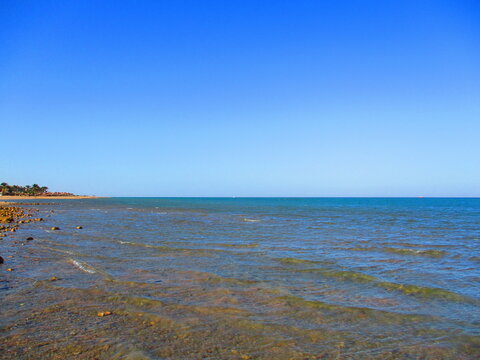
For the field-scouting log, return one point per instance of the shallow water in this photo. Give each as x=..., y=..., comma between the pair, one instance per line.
x=245, y=278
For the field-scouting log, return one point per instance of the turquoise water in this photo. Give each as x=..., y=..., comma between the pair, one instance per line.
x=386, y=278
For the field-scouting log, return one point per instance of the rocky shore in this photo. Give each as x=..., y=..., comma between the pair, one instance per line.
x=11, y=217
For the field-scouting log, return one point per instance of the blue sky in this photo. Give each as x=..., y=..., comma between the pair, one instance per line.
x=241, y=98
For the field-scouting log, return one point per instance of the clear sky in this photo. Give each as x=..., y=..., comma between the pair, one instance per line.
x=241, y=98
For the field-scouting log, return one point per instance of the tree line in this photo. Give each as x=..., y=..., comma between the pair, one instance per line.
x=27, y=190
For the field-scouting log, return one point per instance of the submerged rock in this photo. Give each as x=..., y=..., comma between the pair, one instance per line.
x=104, y=313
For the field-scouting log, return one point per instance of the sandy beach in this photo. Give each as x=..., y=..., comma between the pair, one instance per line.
x=48, y=197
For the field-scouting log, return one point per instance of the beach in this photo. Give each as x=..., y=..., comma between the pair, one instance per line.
x=317, y=164
x=73, y=197
x=166, y=278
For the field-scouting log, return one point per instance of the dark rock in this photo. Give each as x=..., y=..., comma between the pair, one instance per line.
x=30, y=238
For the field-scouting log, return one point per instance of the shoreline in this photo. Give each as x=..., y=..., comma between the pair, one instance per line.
x=12, y=215
x=9, y=197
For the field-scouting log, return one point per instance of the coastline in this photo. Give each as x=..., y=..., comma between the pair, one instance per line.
x=11, y=216
x=75, y=197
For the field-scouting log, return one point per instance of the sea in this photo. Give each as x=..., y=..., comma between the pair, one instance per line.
x=243, y=278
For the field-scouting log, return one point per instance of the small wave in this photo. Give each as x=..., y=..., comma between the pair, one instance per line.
x=237, y=246
x=348, y=311
x=290, y=260
x=402, y=251
x=208, y=277
x=343, y=275
x=354, y=276
x=126, y=242
x=57, y=250
x=184, y=251
x=158, y=247
x=423, y=291
x=358, y=249
x=429, y=253
x=250, y=220
x=219, y=279
x=83, y=266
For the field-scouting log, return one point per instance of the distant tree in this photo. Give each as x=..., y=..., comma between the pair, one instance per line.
x=4, y=188
x=17, y=190
x=35, y=189
x=27, y=190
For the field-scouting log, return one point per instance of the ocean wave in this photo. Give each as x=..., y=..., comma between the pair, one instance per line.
x=83, y=266
x=346, y=312
x=250, y=220
x=236, y=246
x=185, y=251
x=290, y=260
x=402, y=251
x=428, y=253
x=355, y=276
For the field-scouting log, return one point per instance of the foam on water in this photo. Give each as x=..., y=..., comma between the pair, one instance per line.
x=83, y=266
